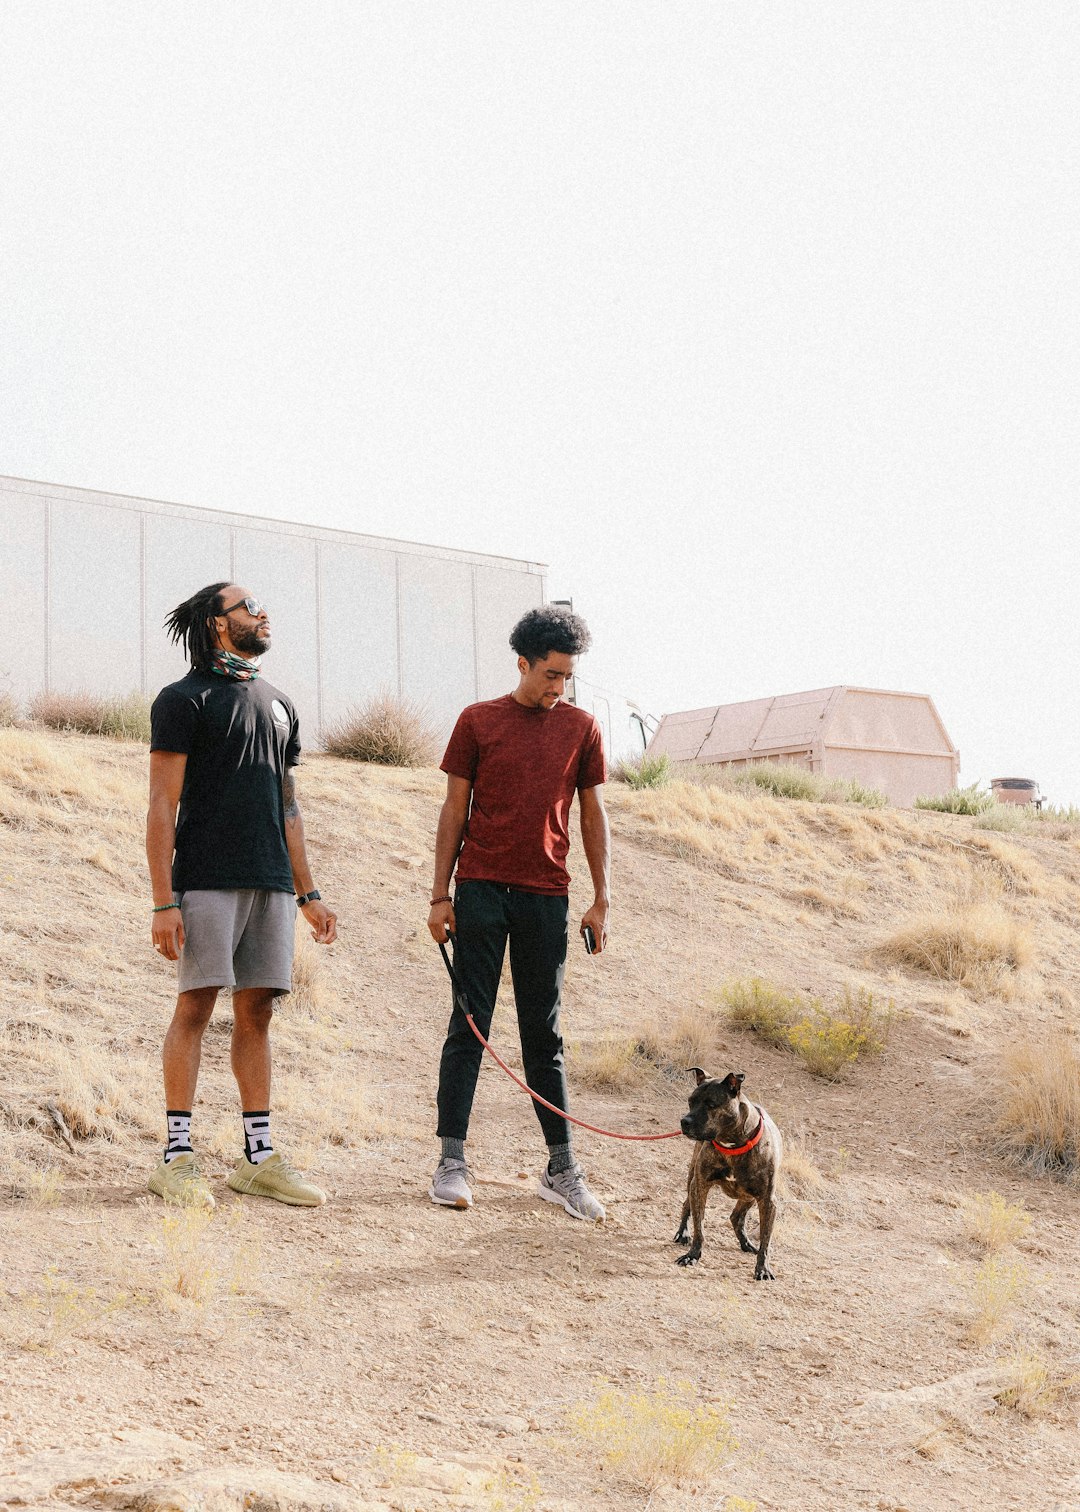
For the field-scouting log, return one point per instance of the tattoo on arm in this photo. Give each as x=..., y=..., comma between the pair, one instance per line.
x=288, y=793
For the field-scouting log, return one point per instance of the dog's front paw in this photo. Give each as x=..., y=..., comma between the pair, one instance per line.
x=688, y=1259
x=682, y=1237
x=745, y=1245
x=763, y=1273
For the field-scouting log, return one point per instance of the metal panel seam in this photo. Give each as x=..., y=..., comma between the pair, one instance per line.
x=318, y=637
x=48, y=595
x=475, y=638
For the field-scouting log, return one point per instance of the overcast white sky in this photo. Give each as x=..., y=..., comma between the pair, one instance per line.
x=758, y=322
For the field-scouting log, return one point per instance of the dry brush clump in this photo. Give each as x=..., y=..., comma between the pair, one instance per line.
x=386, y=730
x=125, y=717
x=1032, y=1386
x=980, y=946
x=995, y=1288
x=1038, y=1107
x=651, y=1438
x=609, y=1063
x=992, y=1222
x=827, y=1040
x=685, y=1036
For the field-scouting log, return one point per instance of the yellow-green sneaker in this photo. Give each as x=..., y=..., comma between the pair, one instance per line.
x=275, y=1177
x=180, y=1180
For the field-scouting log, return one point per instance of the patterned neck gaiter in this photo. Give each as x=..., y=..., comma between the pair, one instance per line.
x=239, y=668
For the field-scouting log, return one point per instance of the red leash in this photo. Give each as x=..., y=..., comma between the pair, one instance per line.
x=463, y=1004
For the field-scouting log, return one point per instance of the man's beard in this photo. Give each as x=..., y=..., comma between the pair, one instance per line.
x=248, y=641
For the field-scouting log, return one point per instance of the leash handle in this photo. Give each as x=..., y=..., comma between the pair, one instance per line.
x=462, y=1002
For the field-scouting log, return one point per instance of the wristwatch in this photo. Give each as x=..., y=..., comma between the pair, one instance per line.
x=311, y=897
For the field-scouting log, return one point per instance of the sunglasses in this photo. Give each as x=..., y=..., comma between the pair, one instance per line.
x=253, y=607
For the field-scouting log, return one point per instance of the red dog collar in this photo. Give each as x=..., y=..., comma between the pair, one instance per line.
x=750, y=1143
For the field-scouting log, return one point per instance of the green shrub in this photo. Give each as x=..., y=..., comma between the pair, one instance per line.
x=829, y=1041
x=968, y=800
x=1005, y=817
x=385, y=729
x=783, y=780
x=124, y=718
x=756, y=1004
x=826, y=1040
x=1068, y=814
x=865, y=797
x=645, y=772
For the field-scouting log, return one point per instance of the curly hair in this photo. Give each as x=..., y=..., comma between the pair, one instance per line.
x=189, y=624
x=550, y=628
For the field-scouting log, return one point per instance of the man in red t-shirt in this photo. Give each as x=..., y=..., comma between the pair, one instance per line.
x=512, y=768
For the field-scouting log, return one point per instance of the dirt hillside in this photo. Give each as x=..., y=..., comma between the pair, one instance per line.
x=919, y=1349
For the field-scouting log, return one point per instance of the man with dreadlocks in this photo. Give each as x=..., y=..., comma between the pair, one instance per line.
x=223, y=747
x=512, y=768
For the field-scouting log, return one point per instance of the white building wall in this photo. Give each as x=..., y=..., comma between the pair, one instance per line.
x=87, y=578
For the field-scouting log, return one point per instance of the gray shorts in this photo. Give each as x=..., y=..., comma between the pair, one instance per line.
x=237, y=939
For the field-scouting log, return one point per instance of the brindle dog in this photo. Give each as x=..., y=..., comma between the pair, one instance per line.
x=739, y=1148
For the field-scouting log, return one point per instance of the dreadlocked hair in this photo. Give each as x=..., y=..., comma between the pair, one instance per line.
x=189, y=625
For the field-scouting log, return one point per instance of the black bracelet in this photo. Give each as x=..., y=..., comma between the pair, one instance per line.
x=311, y=897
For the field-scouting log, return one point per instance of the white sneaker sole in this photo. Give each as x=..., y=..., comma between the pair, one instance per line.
x=461, y=1203
x=550, y=1195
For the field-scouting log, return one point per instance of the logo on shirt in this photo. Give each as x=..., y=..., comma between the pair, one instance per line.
x=280, y=713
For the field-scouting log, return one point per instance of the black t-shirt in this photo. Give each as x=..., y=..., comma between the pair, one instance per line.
x=239, y=739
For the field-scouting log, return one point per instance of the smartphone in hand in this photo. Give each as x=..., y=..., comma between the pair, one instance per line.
x=590, y=940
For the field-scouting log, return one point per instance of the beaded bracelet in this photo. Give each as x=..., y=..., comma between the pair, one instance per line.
x=447, y=899
x=163, y=906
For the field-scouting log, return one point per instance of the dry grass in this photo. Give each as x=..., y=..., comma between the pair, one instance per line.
x=980, y=946
x=9, y=710
x=995, y=1287
x=799, y=1172
x=1038, y=1124
x=386, y=730
x=47, y=1315
x=46, y=784
x=99, y=1094
x=329, y=1108
x=992, y=1222
x=1008, y=818
x=683, y=1037
x=189, y=1270
x=1032, y=1387
x=612, y=1063
x=123, y=718
x=667, y=1436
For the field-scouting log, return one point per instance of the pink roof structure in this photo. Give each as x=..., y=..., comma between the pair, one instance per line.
x=892, y=741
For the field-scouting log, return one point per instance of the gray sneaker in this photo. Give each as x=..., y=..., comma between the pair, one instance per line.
x=569, y=1189
x=450, y=1184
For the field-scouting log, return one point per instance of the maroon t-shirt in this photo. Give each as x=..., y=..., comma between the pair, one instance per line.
x=525, y=766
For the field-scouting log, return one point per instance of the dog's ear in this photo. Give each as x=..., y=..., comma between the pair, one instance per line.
x=733, y=1083
x=699, y=1074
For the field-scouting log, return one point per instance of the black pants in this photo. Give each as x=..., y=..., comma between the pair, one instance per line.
x=487, y=914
